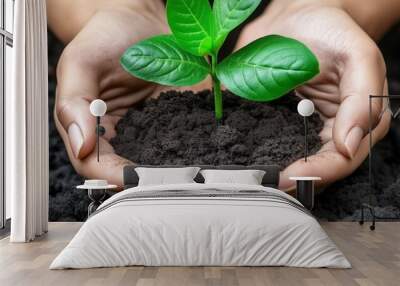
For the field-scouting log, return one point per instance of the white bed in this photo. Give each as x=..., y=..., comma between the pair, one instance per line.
x=185, y=230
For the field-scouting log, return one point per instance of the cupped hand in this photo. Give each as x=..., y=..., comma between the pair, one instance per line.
x=88, y=69
x=352, y=68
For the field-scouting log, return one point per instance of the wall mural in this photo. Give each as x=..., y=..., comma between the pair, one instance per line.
x=180, y=128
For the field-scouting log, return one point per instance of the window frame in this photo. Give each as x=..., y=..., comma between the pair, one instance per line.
x=6, y=39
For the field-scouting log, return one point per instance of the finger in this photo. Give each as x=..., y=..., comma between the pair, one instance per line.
x=363, y=76
x=109, y=124
x=331, y=165
x=127, y=99
x=75, y=90
x=109, y=167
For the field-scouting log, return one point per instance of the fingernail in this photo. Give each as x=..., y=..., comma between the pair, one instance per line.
x=75, y=138
x=353, y=140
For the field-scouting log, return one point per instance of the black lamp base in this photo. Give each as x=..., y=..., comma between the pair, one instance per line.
x=371, y=210
x=305, y=193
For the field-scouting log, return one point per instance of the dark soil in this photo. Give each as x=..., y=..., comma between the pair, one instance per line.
x=180, y=128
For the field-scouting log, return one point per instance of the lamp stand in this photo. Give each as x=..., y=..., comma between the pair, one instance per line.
x=305, y=138
x=369, y=205
x=98, y=137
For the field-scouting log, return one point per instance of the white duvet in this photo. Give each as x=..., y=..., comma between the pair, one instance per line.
x=200, y=231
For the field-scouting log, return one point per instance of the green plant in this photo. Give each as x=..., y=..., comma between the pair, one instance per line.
x=264, y=70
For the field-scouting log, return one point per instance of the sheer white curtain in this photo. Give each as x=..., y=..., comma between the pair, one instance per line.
x=27, y=124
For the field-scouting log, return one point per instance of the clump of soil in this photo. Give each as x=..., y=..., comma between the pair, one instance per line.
x=180, y=128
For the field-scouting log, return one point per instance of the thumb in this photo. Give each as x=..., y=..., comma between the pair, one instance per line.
x=364, y=75
x=79, y=124
x=76, y=89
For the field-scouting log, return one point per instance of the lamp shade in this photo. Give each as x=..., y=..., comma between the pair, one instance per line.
x=98, y=107
x=305, y=107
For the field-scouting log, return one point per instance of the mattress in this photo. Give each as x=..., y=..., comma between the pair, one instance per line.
x=201, y=225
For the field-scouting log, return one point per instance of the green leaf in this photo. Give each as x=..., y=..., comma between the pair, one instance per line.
x=191, y=24
x=160, y=59
x=268, y=68
x=228, y=14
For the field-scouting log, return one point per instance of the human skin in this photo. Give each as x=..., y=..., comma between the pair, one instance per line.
x=351, y=68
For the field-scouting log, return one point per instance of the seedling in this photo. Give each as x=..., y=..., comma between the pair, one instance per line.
x=264, y=70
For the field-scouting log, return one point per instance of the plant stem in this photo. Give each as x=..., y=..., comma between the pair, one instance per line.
x=216, y=88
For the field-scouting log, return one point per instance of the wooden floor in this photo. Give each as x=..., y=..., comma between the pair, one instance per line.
x=375, y=257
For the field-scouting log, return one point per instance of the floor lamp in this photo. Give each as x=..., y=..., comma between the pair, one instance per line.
x=305, y=108
x=369, y=205
x=98, y=108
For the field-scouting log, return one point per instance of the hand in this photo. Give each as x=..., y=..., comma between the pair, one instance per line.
x=352, y=68
x=89, y=68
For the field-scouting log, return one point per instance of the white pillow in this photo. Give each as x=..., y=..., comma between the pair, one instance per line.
x=165, y=176
x=247, y=177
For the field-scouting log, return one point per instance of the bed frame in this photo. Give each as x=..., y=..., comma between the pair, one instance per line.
x=270, y=179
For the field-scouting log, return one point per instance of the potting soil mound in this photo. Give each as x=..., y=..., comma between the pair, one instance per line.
x=180, y=128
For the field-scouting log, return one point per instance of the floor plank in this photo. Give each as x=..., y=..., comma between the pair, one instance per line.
x=375, y=257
